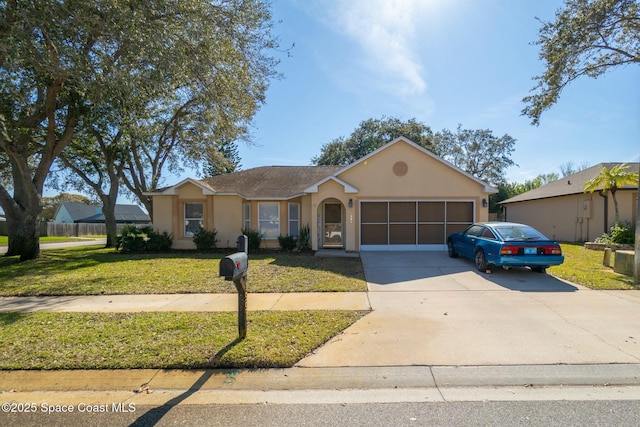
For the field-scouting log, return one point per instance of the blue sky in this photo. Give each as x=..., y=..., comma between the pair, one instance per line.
x=444, y=63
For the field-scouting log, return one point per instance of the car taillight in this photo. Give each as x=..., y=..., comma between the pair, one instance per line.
x=552, y=250
x=509, y=250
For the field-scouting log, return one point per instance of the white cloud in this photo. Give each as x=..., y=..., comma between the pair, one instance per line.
x=386, y=33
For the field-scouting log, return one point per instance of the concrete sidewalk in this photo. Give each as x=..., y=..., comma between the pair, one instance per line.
x=188, y=302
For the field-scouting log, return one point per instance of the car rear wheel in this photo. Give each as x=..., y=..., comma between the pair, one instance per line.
x=539, y=269
x=481, y=260
x=450, y=250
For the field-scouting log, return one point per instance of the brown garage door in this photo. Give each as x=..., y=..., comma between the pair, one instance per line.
x=411, y=225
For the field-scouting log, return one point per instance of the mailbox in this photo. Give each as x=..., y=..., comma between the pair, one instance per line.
x=234, y=266
x=243, y=243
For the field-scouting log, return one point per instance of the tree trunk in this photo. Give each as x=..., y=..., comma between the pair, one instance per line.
x=109, y=211
x=24, y=232
x=615, y=208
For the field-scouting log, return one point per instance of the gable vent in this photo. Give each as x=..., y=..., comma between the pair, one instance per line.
x=400, y=168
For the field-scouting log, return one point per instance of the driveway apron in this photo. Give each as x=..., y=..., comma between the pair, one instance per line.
x=429, y=309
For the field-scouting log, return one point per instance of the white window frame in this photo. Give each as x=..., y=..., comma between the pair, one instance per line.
x=246, y=216
x=188, y=227
x=294, y=221
x=268, y=235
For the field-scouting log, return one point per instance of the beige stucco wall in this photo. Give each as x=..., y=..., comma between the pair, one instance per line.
x=627, y=204
x=227, y=219
x=573, y=218
x=425, y=176
x=163, y=213
x=224, y=213
x=426, y=179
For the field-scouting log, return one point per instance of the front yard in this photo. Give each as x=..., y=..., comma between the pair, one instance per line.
x=97, y=271
x=168, y=339
x=164, y=340
x=584, y=267
x=193, y=340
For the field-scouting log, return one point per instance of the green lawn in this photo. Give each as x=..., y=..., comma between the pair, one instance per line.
x=193, y=340
x=167, y=340
x=584, y=267
x=95, y=271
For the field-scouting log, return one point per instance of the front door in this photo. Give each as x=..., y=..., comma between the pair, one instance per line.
x=332, y=225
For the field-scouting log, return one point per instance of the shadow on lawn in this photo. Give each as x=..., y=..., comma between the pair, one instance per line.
x=348, y=267
x=8, y=318
x=64, y=260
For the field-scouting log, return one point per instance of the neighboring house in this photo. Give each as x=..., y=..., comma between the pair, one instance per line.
x=562, y=210
x=75, y=212
x=400, y=197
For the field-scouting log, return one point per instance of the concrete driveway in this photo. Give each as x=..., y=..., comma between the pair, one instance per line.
x=429, y=309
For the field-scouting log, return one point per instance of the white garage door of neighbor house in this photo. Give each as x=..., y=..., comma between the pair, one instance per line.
x=411, y=225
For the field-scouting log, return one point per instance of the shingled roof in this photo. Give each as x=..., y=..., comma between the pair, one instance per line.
x=124, y=214
x=84, y=213
x=571, y=184
x=269, y=182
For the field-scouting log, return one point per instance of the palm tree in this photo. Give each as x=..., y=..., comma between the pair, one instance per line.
x=611, y=180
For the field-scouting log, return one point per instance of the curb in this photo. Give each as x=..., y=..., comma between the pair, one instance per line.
x=299, y=378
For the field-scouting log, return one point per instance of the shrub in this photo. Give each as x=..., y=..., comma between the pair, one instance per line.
x=304, y=239
x=205, y=240
x=623, y=234
x=141, y=239
x=159, y=242
x=287, y=243
x=254, y=238
x=619, y=234
x=131, y=239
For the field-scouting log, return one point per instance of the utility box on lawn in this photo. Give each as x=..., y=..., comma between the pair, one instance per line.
x=243, y=243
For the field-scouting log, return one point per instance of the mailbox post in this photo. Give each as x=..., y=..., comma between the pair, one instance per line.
x=234, y=267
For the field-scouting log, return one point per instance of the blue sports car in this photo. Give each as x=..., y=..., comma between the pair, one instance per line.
x=505, y=244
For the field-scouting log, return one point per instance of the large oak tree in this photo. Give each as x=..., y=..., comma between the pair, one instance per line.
x=63, y=62
x=587, y=38
x=370, y=135
x=477, y=152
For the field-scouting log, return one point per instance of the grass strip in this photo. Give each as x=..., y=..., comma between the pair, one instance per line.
x=168, y=340
x=584, y=267
x=96, y=271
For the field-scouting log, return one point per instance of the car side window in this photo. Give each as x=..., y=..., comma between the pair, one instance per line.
x=473, y=231
x=488, y=234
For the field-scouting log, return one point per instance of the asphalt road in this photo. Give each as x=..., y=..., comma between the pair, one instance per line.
x=502, y=413
x=45, y=246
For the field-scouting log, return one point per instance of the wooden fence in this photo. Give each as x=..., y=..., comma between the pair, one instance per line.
x=68, y=230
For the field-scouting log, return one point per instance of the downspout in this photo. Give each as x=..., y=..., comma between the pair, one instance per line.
x=606, y=210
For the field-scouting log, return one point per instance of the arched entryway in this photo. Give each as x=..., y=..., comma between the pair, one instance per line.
x=331, y=224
